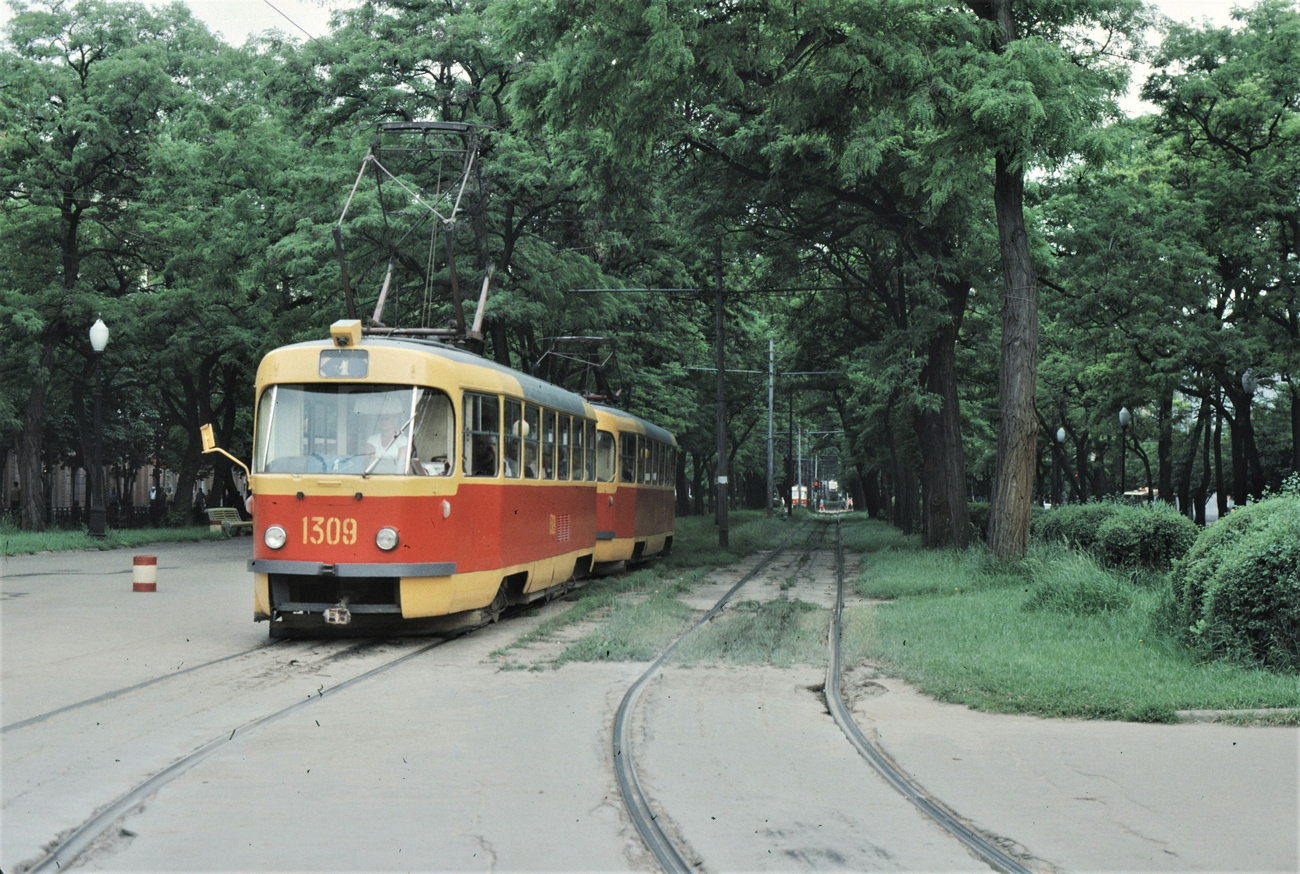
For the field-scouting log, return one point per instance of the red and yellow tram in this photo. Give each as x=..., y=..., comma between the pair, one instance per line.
x=401, y=482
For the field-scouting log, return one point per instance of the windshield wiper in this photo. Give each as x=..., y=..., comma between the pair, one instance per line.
x=378, y=457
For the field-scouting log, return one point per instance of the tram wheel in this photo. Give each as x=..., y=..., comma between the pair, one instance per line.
x=498, y=604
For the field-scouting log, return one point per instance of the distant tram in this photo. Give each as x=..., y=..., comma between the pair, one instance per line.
x=401, y=483
x=799, y=496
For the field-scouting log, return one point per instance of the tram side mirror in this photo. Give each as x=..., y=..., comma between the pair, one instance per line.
x=210, y=445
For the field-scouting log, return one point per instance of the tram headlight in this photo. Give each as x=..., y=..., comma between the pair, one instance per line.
x=387, y=538
x=275, y=536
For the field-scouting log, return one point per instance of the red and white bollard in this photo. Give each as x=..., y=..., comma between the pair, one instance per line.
x=144, y=573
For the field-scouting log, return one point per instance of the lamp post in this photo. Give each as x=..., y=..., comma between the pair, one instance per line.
x=1124, y=418
x=98, y=342
x=1060, y=449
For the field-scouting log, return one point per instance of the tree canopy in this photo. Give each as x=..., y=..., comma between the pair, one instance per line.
x=958, y=247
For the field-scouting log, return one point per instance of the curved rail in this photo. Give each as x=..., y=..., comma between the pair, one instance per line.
x=894, y=776
x=643, y=814
x=85, y=834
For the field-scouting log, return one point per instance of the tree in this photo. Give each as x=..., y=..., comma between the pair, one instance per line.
x=1230, y=111
x=89, y=85
x=1030, y=89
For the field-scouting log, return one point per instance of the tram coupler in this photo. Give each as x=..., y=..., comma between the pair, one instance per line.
x=338, y=615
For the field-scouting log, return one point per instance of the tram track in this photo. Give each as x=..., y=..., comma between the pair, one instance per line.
x=638, y=804
x=71, y=842
x=648, y=817
x=143, y=684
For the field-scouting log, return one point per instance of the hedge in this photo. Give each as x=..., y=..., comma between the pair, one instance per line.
x=1237, y=590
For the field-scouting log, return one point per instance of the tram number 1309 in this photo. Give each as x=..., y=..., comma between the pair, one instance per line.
x=332, y=530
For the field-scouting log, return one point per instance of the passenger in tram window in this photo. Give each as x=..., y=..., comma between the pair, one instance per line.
x=516, y=431
x=530, y=462
x=484, y=462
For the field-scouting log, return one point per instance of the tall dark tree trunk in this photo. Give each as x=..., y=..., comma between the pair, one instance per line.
x=1295, y=428
x=1187, y=495
x=945, y=513
x=31, y=467
x=1202, y=496
x=1165, y=444
x=1013, y=477
x=1219, y=486
x=683, y=498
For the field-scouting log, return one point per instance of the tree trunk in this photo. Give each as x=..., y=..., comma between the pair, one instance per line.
x=1187, y=496
x=1165, y=444
x=1013, y=478
x=1220, y=493
x=1295, y=428
x=31, y=465
x=946, y=515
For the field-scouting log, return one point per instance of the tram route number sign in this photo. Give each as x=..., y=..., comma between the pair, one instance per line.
x=331, y=530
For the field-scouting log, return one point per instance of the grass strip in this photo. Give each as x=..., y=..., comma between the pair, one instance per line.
x=1052, y=636
x=15, y=542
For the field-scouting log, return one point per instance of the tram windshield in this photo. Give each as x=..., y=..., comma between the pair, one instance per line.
x=354, y=429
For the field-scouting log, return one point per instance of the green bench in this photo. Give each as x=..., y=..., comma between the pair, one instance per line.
x=227, y=519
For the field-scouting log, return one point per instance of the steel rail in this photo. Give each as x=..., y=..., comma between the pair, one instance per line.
x=638, y=805
x=884, y=765
x=84, y=835
x=41, y=717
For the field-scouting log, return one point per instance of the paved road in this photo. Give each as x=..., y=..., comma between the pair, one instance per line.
x=450, y=763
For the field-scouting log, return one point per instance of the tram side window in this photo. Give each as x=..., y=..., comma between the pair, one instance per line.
x=579, y=449
x=532, y=439
x=565, y=425
x=606, y=457
x=656, y=463
x=434, y=430
x=548, y=444
x=627, y=457
x=515, y=431
x=591, y=451
x=482, y=434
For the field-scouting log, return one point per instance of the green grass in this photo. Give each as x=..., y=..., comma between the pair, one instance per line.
x=1054, y=635
x=638, y=611
x=633, y=631
x=15, y=542
x=780, y=632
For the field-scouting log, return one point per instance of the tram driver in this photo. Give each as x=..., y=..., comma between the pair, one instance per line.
x=388, y=443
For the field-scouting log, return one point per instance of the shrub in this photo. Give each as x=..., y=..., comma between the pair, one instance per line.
x=1074, y=524
x=979, y=519
x=1153, y=536
x=1068, y=581
x=1238, y=588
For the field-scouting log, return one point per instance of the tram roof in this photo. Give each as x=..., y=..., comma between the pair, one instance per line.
x=534, y=389
x=651, y=429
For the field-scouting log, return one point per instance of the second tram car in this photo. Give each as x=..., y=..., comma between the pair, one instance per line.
x=407, y=483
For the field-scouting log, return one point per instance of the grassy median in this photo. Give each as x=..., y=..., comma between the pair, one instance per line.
x=15, y=542
x=1053, y=635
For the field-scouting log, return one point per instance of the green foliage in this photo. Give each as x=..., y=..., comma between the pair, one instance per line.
x=1237, y=591
x=777, y=632
x=1074, y=524
x=1152, y=536
x=979, y=519
x=1066, y=580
